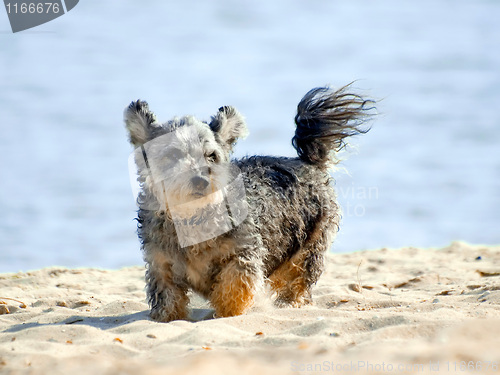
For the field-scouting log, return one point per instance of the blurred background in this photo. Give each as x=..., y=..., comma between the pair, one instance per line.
x=426, y=174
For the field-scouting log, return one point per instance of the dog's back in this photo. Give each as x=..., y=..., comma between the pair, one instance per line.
x=290, y=201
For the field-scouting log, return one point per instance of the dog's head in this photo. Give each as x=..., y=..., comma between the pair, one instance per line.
x=184, y=162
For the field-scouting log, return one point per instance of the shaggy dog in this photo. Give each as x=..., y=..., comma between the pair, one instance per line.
x=225, y=228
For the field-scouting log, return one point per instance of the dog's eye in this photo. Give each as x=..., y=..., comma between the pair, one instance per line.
x=212, y=157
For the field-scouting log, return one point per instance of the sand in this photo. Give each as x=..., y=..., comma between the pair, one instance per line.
x=403, y=310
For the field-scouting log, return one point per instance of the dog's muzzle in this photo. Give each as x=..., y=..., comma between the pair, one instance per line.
x=200, y=183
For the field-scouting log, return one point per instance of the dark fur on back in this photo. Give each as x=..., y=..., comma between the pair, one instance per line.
x=288, y=199
x=292, y=215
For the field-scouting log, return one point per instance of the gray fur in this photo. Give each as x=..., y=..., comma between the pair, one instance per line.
x=292, y=217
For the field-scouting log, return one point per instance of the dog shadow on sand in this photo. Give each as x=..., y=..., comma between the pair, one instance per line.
x=106, y=322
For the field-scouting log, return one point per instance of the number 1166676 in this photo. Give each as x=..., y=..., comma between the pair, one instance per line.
x=32, y=8
x=472, y=366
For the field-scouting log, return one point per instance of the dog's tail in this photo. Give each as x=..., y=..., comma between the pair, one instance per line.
x=324, y=119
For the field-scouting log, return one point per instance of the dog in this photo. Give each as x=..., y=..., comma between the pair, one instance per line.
x=228, y=229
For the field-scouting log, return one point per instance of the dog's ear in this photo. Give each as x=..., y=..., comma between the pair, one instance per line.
x=228, y=125
x=139, y=121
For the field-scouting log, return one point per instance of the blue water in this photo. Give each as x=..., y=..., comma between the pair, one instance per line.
x=426, y=174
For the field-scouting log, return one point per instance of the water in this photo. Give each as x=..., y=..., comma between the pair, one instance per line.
x=426, y=174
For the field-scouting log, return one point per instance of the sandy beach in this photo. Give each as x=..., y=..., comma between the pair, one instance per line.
x=389, y=310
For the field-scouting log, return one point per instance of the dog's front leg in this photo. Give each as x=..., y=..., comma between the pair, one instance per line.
x=168, y=300
x=235, y=287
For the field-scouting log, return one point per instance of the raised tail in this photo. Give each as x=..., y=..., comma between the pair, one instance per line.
x=324, y=119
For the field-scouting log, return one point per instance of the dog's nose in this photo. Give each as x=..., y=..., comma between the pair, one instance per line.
x=199, y=183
